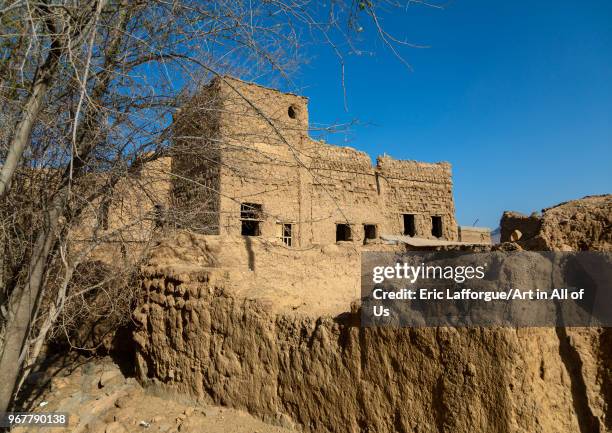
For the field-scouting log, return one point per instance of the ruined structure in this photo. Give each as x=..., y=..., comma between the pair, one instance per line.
x=576, y=225
x=249, y=168
x=242, y=165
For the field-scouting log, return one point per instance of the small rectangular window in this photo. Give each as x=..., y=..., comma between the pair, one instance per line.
x=286, y=234
x=369, y=231
x=250, y=228
x=343, y=232
x=409, y=225
x=250, y=219
x=436, y=226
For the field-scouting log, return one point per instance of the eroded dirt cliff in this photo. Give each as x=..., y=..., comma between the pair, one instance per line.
x=328, y=374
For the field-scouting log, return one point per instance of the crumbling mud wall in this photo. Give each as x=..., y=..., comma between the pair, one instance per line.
x=475, y=235
x=422, y=189
x=340, y=187
x=196, y=174
x=577, y=225
x=326, y=374
x=523, y=226
x=122, y=224
x=312, y=281
x=318, y=370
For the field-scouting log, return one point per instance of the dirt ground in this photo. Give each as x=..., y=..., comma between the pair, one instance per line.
x=100, y=399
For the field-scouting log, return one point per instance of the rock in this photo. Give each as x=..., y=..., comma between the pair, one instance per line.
x=88, y=368
x=515, y=235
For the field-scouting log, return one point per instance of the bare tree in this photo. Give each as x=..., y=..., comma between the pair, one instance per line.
x=88, y=89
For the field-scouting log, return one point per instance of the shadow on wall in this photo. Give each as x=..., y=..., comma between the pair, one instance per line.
x=250, y=252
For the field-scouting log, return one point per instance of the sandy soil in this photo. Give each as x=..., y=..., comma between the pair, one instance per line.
x=100, y=399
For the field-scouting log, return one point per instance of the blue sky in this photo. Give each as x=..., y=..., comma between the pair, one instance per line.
x=516, y=95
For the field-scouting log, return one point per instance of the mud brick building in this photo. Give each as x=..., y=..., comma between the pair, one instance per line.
x=248, y=167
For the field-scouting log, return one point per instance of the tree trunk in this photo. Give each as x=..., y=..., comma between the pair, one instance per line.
x=25, y=299
x=32, y=107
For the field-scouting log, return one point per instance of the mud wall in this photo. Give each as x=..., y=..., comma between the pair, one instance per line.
x=313, y=281
x=340, y=189
x=196, y=156
x=326, y=374
x=528, y=226
x=123, y=223
x=576, y=225
x=474, y=234
x=422, y=189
